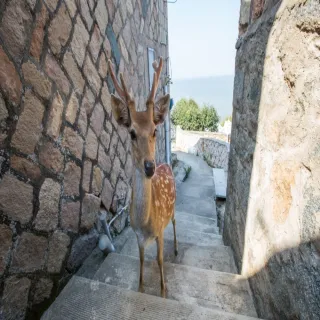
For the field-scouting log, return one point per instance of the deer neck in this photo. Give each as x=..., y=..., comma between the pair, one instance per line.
x=141, y=197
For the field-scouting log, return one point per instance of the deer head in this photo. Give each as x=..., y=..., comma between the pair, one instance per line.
x=141, y=125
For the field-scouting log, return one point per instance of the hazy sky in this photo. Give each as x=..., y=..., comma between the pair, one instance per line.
x=202, y=37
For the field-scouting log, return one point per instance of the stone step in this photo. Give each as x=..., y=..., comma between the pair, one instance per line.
x=84, y=299
x=206, y=288
x=193, y=237
x=201, y=225
x=196, y=190
x=217, y=258
x=201, y=207
x=182, y=216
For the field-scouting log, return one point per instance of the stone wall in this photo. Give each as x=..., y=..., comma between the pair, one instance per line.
x=62, y=155
x=272, y=218
x=214, y=151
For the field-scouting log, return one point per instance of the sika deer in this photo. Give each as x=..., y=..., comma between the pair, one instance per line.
x=154, y=194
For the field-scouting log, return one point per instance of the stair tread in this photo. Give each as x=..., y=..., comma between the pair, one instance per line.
x=217, y=258
x=196, y=223
x=86, y=299
x=212, y=289
x=197, y=206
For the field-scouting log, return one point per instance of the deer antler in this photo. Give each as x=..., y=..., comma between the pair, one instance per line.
x=121, y=92
x=156, y=77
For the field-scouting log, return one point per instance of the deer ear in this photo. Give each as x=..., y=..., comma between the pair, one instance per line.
x=161, y=108
x=120, y=111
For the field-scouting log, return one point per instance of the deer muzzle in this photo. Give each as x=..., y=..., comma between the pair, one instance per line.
x=149, y=168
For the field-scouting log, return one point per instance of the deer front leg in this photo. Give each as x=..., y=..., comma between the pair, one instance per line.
x=141, y=252
x=160, y=263
x=175, y=236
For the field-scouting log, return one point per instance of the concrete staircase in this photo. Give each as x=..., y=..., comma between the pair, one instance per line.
x=201, y=281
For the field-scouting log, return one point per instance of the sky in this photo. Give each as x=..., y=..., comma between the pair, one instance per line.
x=202, y=37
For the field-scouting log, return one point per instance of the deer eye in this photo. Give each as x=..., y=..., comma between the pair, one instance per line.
x=133, y=135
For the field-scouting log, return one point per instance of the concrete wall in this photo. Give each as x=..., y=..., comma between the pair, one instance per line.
x=214, y=151
x=62, y=155
x=272, y=218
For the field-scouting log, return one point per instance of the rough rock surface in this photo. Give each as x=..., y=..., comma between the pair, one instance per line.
x=273, y=205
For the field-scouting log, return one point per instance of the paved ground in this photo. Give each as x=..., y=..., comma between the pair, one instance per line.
x=201, y=281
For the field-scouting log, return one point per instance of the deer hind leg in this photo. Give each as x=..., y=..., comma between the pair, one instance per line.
x=141, y=252
x=160, y=263
x=175, y=235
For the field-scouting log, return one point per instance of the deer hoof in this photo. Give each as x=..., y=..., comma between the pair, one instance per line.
x=176, y=252
x=163, y=293
x=141, y=289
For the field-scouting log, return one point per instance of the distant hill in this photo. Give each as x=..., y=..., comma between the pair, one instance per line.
x=217, y=91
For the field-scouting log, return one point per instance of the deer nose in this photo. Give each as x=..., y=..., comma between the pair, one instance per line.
x=149, y=167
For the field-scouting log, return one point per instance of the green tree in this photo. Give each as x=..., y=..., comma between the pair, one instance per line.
x=189, y=116
x=209, y=118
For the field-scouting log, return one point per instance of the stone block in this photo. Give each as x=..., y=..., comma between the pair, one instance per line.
x=51, y=157
x=124, y=50
x=16, y=199
x=29, y=126
x=105, y=139
x=52, y=4
x=111, y=8
x=106, y=100
x=117, y=23
x=74, y=73
x=5, y=246
x=90, y=211
x=55, y=117
x=72, y=8
x=59, y=29
x=79, y=41
x=122, y=153
x=47, y=217
x=70, y=212
x=95, y=43
x=83, y=120
x=72, y=109
x=97, y=119
x=58, y=248
x=92, y=75
x=85, y=12
x=86, y=175
x=81, y=249
x=103, y=66
x=42, y=290
x=88, y=101
x=72, y=175
x=26, y=167
x=15, y=298
x=38, y=33
x=107, y=47
x=104, y=160
x=97, y=179
x=72, y=141
x=101, y=14
x=29, y=254
x=91, y=145
x=3, y=113
x=54, y=71
x=107, y=193
x=15, y=27
x=115, y=170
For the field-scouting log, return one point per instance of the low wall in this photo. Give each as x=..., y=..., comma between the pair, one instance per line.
x=214, y=151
